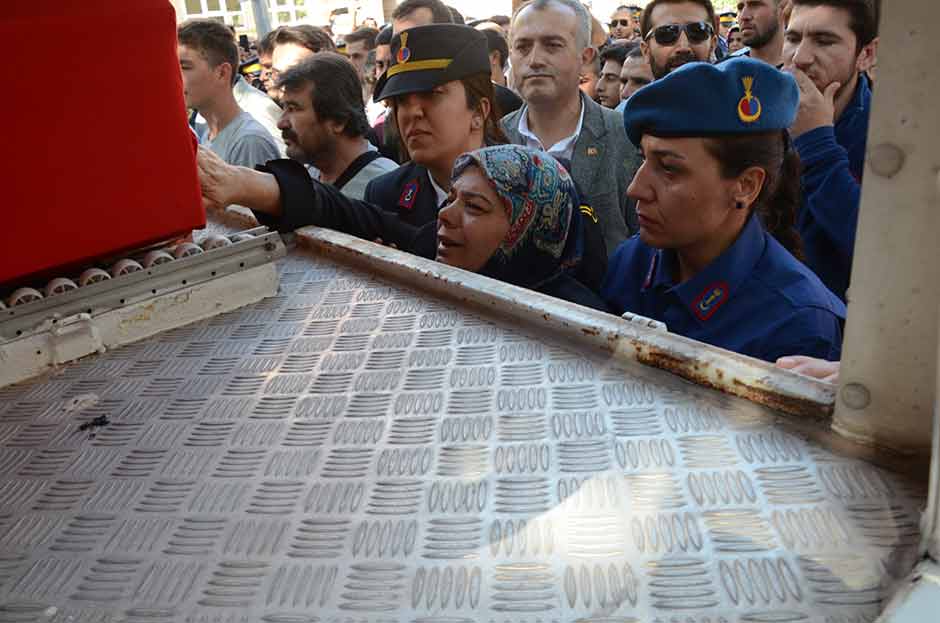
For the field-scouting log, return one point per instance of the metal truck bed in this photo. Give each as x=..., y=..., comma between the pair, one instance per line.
x=360, y=449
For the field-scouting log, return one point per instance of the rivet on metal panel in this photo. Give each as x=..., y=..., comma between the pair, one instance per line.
x=856, y=396
x=886, y=159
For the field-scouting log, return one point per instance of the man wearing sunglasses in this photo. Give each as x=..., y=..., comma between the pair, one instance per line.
x=676, y=32
x=622, y=24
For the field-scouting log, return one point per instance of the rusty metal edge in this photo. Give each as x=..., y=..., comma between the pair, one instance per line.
x=713, y=367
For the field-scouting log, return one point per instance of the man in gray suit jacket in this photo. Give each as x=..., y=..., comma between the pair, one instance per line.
x=550, y=44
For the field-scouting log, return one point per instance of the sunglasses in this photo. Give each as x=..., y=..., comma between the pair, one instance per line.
x=619, y=22
x=668, y=34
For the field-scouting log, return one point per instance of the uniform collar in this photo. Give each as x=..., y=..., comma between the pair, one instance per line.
x=440, y=193
x=705, y=293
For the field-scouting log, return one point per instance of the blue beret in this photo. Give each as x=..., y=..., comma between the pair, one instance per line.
x=738, y=96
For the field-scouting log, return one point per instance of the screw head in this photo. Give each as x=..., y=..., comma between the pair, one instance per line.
x=856, y=396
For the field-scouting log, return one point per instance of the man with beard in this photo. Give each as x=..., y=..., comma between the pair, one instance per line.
x=761, y=23
x=676, y=32
x=324, y=123
x=828, y=47
x=551, y=42
x=622, y=25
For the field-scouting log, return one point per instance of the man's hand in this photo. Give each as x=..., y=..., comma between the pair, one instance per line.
x=826, y=371
x=217, y=180
x=817, y=109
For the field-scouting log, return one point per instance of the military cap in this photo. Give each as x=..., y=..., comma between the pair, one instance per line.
x=738, y=96
x=727, y=17
x=425, y=57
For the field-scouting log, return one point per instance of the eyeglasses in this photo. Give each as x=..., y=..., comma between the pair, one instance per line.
x=619, y=22
x=668, y=34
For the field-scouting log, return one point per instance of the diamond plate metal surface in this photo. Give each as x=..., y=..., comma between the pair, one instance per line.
x=352, y=450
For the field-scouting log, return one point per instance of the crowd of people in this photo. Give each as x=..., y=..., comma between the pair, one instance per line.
x=697, y=168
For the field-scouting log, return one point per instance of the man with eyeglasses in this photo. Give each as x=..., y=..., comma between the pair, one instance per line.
x=622, y=25
x=676, y=32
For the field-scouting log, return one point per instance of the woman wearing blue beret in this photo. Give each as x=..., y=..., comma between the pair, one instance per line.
x=716, y=256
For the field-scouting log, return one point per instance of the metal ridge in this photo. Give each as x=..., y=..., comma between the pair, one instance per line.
x=706, y=365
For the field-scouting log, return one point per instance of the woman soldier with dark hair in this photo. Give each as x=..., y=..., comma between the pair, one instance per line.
x=716, y=256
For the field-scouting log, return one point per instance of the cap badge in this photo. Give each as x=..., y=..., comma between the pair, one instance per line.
x=749, y=108
x=404, y=53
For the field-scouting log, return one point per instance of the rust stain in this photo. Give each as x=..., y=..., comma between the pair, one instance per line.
x=689, y=370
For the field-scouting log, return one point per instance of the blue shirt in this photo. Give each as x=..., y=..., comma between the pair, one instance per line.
x=833, y=159
x=755, y=298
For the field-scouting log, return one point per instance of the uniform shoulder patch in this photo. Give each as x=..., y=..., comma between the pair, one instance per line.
x=409, y=193
x=707, y=303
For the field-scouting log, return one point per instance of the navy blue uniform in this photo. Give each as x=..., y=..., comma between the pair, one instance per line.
x=833, y=159
x=754, y=299
x=408, y=192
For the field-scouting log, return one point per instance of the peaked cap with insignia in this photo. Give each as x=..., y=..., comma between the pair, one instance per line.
x=425, y=57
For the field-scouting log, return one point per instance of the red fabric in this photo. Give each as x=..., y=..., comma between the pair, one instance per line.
x=98, y=157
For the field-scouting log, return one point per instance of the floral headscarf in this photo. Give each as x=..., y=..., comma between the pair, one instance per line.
x=542, y=205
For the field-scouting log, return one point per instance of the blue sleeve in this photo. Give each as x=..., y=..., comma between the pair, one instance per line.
x=811, y=331
x=831, y=193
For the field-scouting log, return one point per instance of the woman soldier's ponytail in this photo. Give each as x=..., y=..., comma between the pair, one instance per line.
x=780, y=198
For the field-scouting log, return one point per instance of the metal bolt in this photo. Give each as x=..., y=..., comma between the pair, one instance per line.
x=886, y=159
x=856, y=396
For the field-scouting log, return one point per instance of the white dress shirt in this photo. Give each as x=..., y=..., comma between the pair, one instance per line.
x=563, y=148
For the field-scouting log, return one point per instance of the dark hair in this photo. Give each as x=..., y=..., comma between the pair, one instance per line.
x=864, y=16
x=266, y=43
x=313, y=38
x=476, y=87
x=646, y=20
x=384, y=37
x=440, y=14
x=496, y=42
x=336, y=93
x=212, y=40
x=616, y=53
x=457, y=16
x=363, y=33
x=634, y=51
x=781, y=196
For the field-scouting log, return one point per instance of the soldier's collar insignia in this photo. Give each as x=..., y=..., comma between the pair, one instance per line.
x=749, y=107
x=708, y=302
x=408, y=195
x=404, y=53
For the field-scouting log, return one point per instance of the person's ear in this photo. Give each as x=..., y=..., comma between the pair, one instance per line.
x=645, y=49
x=747, y=186
x=482, y=113
x=587, y=56
x=868, y=57
x=224, y=72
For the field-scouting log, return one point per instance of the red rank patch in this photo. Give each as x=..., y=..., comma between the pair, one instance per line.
x=708, y=302
x=408, y=195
